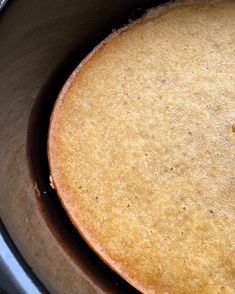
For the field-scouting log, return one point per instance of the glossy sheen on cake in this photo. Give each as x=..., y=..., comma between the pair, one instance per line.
x=141, y=149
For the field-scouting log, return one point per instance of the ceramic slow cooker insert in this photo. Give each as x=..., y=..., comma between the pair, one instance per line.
x=41, y=42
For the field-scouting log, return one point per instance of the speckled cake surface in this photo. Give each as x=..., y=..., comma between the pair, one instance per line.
x=141, y=149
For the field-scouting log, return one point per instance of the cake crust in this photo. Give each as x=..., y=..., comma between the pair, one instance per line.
x=141, y=149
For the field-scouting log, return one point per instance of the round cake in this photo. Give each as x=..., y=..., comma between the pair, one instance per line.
x=141, y=149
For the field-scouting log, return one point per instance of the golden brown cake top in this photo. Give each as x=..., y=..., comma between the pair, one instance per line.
x=141, y=149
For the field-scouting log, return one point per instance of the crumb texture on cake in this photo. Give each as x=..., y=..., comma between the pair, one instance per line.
x=141, y=150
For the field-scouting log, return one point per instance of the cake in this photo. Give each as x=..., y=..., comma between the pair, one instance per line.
x=141, y=149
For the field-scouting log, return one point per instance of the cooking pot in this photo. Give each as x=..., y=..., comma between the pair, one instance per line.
x=41, y=42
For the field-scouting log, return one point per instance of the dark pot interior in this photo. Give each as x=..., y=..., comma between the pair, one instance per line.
x=41, y=43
